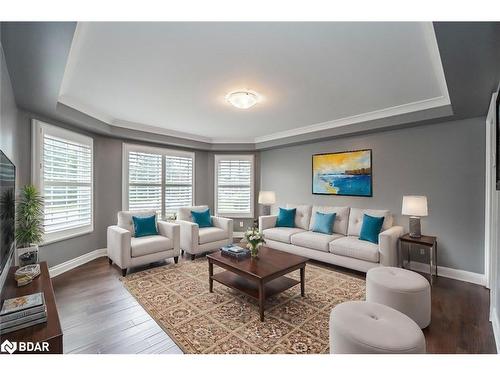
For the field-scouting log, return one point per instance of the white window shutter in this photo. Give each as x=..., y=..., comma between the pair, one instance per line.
x=234, y=186
x=158, y=179
x=65, y=181
x=178, y=183
x=144, y=181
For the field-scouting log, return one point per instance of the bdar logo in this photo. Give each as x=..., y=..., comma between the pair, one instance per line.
x=8, y=347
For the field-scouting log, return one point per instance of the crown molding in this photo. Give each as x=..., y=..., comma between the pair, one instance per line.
x=403, y=109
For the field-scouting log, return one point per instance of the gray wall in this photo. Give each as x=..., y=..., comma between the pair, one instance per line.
x=443, y=161
x=11, y=136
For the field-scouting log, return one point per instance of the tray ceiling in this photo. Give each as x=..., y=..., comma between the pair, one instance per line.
x=171, y=78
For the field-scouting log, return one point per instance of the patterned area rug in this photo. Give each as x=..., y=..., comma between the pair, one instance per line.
x=177, y=297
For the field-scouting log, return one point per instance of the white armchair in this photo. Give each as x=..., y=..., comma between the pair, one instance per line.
x=196, y=240
x=126, y=250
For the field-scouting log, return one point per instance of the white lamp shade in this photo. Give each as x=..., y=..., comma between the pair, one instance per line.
x=414, y=205
x=267, y=197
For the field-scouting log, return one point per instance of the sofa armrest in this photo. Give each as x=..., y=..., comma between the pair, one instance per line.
x=189, y=235
x=172, y=231
x=225, y=224
x=119, y=245
x=388, y=245
x=266, y=222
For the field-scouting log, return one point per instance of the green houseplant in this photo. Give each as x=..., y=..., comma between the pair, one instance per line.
x=29, y=224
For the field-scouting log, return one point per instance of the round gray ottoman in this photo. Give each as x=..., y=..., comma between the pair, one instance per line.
x=403, y=290
x=371, y=328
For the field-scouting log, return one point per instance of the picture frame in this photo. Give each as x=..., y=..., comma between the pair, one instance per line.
x=343, y=173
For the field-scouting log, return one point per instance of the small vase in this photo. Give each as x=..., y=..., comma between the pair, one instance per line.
x=254, y=251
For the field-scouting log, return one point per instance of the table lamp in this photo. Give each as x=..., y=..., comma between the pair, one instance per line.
x=414, y=206
x=267, y=199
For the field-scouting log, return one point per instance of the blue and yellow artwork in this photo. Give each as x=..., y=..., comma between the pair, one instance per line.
x=343, y=173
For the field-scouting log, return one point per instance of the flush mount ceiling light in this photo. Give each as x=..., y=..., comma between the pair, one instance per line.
x=243, y=99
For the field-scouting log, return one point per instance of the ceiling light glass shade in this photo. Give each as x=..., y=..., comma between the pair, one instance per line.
x=242, y=99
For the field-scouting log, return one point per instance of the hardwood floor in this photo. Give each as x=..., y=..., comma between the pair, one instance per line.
x=98, y=315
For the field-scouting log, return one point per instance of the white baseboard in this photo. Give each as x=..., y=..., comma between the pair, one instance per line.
x=495, y=322
x=73, y=263
x=451, y=273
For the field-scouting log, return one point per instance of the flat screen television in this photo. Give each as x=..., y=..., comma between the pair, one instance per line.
x=7, y=209
x=497, y=119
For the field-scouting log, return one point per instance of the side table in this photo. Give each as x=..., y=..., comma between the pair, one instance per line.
x=429, y=242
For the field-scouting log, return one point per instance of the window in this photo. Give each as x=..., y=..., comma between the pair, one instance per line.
x=63, y=172
x=234, y=180
x=156, y=178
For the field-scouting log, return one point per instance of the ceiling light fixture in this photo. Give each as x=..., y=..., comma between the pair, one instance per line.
x=243, y=99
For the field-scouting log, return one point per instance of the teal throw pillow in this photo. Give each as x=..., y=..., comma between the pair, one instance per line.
x=202, y=218
x=286, y=218
x=371, y=227
x=323, y=223
x=145, y=226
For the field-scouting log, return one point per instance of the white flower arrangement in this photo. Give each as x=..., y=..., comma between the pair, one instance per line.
x=255, y=239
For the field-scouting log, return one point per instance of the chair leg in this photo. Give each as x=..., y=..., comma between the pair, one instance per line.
x=176, y=260
x=110, y=261
x=124, y=272
x=192, y=256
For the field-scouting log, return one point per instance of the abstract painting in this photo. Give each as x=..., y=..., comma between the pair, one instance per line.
x=343, y=173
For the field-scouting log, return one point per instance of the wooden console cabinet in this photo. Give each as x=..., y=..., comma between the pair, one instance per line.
x=50, y=331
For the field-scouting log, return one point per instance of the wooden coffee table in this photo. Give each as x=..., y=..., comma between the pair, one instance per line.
x=259, y=277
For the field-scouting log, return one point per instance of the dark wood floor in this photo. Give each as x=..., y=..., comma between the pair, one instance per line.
x=98, y=315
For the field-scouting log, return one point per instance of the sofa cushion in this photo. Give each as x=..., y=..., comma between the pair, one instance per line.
x=125, y=219
x=353, y=247
x=314, y=240
x=356, y=219
x=302, y=215
x=281, y=234
x=149, y=245
x=286, y=218
x=211, y=234
x=371, y=228
x=323, y=223
x=341, y=217
x=184, y=213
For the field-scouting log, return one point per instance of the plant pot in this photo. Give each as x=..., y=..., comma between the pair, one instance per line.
x=27, y=255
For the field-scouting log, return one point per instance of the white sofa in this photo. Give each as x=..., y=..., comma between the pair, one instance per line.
x=196, y=240
x=343, y=247
x=126, y=250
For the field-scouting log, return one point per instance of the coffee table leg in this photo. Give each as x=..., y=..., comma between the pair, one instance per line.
x=210, y=274
x=303, y=281
x=262, y=299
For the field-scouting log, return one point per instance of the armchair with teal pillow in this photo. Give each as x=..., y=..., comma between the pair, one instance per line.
x=139, y=239
x=286, y=217
x=370, y=229
x=202, y=232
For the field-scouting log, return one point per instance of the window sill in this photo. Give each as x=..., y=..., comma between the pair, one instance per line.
x=64, y=237
x=238, y=216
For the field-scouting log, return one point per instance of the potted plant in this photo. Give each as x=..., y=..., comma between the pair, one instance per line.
x=255, y=240
x=29, y=225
